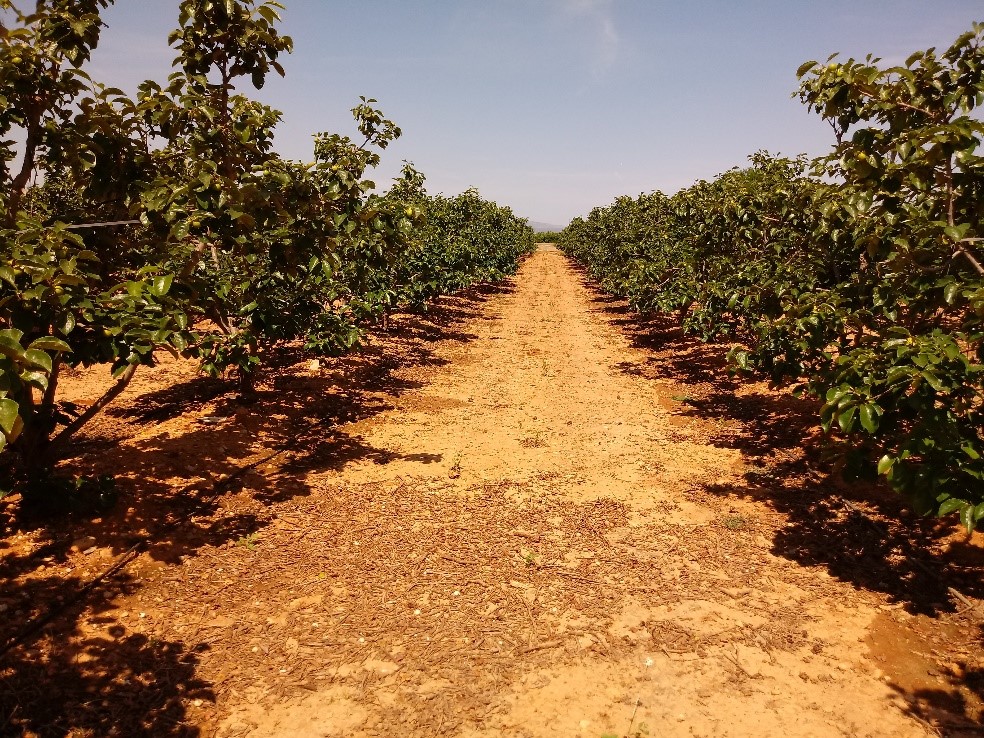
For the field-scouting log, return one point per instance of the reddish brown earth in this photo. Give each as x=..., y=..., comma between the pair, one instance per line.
x=524, y=513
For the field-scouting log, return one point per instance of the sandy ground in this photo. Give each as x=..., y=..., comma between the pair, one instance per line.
x=534, y=528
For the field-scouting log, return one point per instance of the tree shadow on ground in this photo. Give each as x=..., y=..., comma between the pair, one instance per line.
x=170, y=473
x=172, y=485
x=936, y=666
x=948, y=710
x=170, y=402
x=856, y=530
x=102, y=680
x=767, y=420
x=859, y=532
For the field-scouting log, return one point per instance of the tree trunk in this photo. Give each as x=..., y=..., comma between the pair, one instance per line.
x=246, y=381
x=682, y=313
x=72, y=428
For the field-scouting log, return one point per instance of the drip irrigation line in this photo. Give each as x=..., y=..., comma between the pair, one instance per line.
x=34, y=625
x=105, y=224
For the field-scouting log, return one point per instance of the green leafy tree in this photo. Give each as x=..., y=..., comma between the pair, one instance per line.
x=247, y=248
x=860, y=282
x=221, y=194
x=60, y=303
x=460, y=241
x=900, y=361
x=273, y=250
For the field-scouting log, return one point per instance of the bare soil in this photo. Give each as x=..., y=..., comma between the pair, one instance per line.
x=525, y=512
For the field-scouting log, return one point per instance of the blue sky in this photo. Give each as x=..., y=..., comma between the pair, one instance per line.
x=556, y=106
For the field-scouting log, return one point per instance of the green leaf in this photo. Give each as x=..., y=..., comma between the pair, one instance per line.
x=967, y=517
x=846, y=419
x=178, y=341
x=957, y=232
x=10, y=347
x=268, y=13
x=805, y=67
x=162, y=285
x=950, y=505
x=932, y=380
x=36, y=379
x=50, y=343
x=868, y=414
x=39, y=359
x=9, y=411
x=885, y=464
x=979, y=512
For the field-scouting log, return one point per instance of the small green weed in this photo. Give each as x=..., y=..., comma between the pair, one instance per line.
x=529, y=557
x=735, y=522
x=249, y=541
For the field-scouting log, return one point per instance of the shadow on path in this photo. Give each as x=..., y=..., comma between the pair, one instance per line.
x=89, y=674
x=859, y=532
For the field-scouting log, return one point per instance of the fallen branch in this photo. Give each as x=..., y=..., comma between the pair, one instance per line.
x=540, y=647
x=734, y=660
x=970, y=605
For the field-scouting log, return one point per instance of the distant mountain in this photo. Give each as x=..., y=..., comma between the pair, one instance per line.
x=544, y=227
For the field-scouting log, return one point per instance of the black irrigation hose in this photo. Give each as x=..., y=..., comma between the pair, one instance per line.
x=37, y=623
x=105, y=224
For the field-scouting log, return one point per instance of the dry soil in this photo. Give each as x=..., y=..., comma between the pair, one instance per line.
x=522, y=514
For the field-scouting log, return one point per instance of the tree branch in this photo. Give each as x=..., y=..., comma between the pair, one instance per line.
x=111, y=394
x=961, y=251
x=19, y=183
x=49, y=394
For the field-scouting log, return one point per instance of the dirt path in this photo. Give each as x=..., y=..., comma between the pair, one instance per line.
x=525, y=531
x=538, y=399
x=525, y=552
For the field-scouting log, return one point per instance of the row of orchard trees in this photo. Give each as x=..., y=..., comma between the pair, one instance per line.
x=858, y=277
x=236, y=249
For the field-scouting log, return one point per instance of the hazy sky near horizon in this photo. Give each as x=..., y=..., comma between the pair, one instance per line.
x=556, y=106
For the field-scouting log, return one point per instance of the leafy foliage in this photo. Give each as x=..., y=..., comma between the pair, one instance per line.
x=856, y=278
x=237, y=251
x=60, y=302
x=462, y=240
